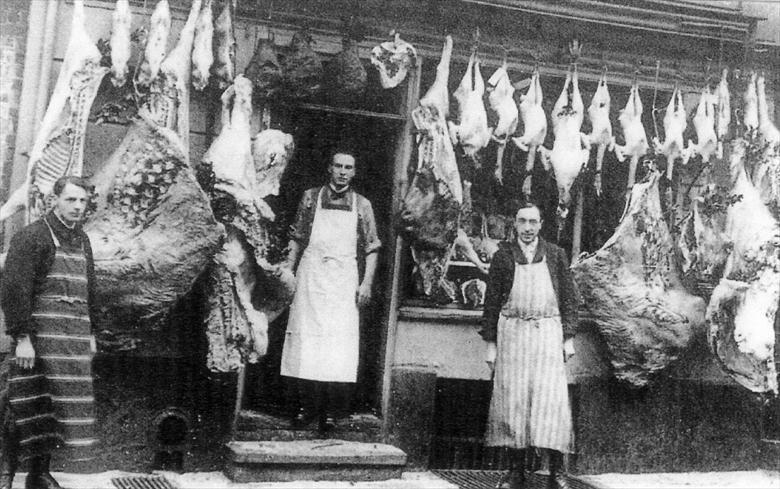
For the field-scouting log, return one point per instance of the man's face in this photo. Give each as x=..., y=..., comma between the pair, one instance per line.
x=71, y=204
x=341, y=170
x=528, y=222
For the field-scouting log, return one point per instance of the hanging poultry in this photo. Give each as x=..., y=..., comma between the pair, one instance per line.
x=224, y=67
x=704, y=123
x=202, y=48
x=766, y=129
x=675, y=123
x=58, y=148
x=264, y=69
x=502, y=102
x=535, y=128
x=471, y=131
x=571, y=148
x=393, y=59
x=156, y=44
x=722, y=110
x=601, y=132
x=750, y=107
x=120, y=42
x=634, y=133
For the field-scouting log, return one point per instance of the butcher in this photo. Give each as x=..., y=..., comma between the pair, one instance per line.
x=528, y=324
x=334, y=231
x=47, y=290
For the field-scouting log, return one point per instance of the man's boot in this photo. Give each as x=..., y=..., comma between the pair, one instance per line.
x=7, y=465
x=558, y=479
x=39, y=476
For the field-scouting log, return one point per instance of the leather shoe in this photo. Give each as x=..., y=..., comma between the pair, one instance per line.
x=302, y=419
x=327, y=424
x=41, y=481
x=558, y=480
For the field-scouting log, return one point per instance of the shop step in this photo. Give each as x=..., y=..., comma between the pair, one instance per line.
x=257, y=426
x=330, y=460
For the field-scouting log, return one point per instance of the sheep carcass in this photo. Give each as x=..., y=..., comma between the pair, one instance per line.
x=264, y=69
x=675, y=123
x=471, y=131
x=571, y=148
x=767, y=172
x=303, y=67
x=535, y=128
x=634, y=133
x=750, y=107
x=202, y=49
x=502, y=102
x=741, y=312
x=58, y=149
x=393, y=60
x=120, y=42
x=224, y=41
x=601, y=132
x=429, y=215
x=633, y=293
x=722, y=110
x=156, y=44
x=704, y=123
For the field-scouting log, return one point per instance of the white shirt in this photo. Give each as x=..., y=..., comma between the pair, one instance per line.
x=529, y=250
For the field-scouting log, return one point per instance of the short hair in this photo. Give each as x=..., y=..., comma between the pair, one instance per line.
x=342, y=150
x=529, y=204
x=73, y=180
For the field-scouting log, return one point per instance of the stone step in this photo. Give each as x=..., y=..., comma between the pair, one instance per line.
x=257, y=426
x=330, y=459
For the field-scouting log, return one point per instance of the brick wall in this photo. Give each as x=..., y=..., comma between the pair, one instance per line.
x=13, y=36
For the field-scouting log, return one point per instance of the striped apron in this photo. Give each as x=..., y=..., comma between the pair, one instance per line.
x=53, y=403
x=530, y=402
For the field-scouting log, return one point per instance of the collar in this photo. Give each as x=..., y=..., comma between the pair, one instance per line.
x=69, y=235
x=64, y=224
x=519, y=252
x=337, y=194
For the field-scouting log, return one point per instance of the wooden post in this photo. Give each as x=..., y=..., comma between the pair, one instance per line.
x=576, y=238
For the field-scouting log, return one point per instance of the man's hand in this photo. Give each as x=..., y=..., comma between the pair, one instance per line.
x=25, y=353
x=363, y=295
x=568, y=349
x=490, y=354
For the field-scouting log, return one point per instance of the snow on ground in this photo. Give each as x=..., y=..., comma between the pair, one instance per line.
x=759, y=479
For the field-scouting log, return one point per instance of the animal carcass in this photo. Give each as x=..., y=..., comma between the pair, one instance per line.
x=264, y=69
x=202, y=49
x=571, y=148
x=346, y=76
x=120, y=42
x=535, y=128
x=502, y=102
x=302, y=68
x=634, y=133
x=471, y=131
x=58, y=149
x=766, y=129
x=430, y=209
x=393, y=60
x=741, y=312
x=156, y=44
x=766, y=174
x=675, y=123
x=750, y=107
x=704, y=123
x=722, y=110
x=601, y=132
x=632, y=291
x=224, y=41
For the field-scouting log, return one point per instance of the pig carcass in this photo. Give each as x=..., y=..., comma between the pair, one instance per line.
x=634, y=133
x=633, y=294
x=471, y=131
x=393, y=59
x=430, y=210
x=742, y=309
x=534, y=128
x=58, y=149
x=120, y=42
x=675, y=123
x=502, y=103
x=601, y=132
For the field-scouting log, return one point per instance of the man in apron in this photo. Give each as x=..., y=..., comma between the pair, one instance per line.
x=334, y=228
x=47, y=297
x=529, y=319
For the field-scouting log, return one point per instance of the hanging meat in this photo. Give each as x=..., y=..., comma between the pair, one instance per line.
x=471, y=131
x=675, y=123
x=156, y=44
x=601, y=132
x=742, y=309
x=393, y=59
x=634, y=133
x=264, y=69
x=153, y=232
x=224, y=41
x=271, y=150
x=722, y=110
x=704, y=122
x=58, y=148
x=302, y=67
x=502, y=102
x=430, y=210
x=345, y=78
x=750, y=107
x=570, y=149
x=634, y=295
x=202, y=48
x=120, y=42
x=766, y=175
x=535, y=128
x=766, y=129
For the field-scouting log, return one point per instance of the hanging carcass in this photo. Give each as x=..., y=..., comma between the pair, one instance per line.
x=634, y=134
x=120, y=42
x=202, y=48
x=534, y=128
x=58, y=148
x=224, y=40
x=675, y=123
x=156, y=44
x=502, y=103
x=430, y=210
x=766, y=174
x=302, y=67
x=722, y=110
x=345, y=78
x=704, y=122
x=750, y=104
x=471, y=131
x=264, y=69
x=393, y=59
x=601, y=132
x=633, y=293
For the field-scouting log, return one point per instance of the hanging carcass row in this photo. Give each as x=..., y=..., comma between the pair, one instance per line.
x=633, y=292
x=431, y=207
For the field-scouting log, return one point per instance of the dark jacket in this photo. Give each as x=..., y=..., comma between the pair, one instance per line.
x=501, y=277
x=30, y=257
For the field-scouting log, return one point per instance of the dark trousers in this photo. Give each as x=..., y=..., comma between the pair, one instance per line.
x=324, y=398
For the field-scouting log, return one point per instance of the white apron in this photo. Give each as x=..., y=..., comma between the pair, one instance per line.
x=530, y=402
x=323, y=332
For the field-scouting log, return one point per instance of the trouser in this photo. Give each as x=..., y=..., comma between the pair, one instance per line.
x=530, y=460
x=324, y=398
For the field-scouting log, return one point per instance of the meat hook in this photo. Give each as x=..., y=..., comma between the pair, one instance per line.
x=654, y=111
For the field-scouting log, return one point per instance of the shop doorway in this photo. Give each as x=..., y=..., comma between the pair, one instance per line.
x=319, y=130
